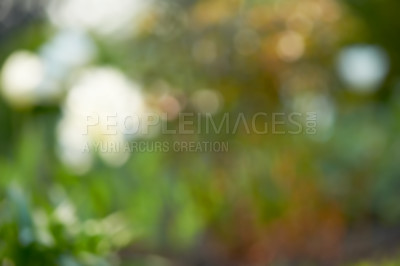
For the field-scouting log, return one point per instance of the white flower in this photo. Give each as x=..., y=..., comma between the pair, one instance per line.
x=363, y=67
x=72, y=144
x=96, y=112
x=101, y=16
x=22, y=74
x=68, y=49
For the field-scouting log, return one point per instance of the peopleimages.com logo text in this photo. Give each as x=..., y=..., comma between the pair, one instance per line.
x=189, y=123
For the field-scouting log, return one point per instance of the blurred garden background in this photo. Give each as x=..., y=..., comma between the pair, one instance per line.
x=330, y=198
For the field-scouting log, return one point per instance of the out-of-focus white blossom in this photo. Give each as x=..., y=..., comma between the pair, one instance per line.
x=68, y=49
x=65, y=213
x=101, y=16
x=71, y=145
x=30, y=79
x=22, y=74
x=102, y=112
x=363, y=67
